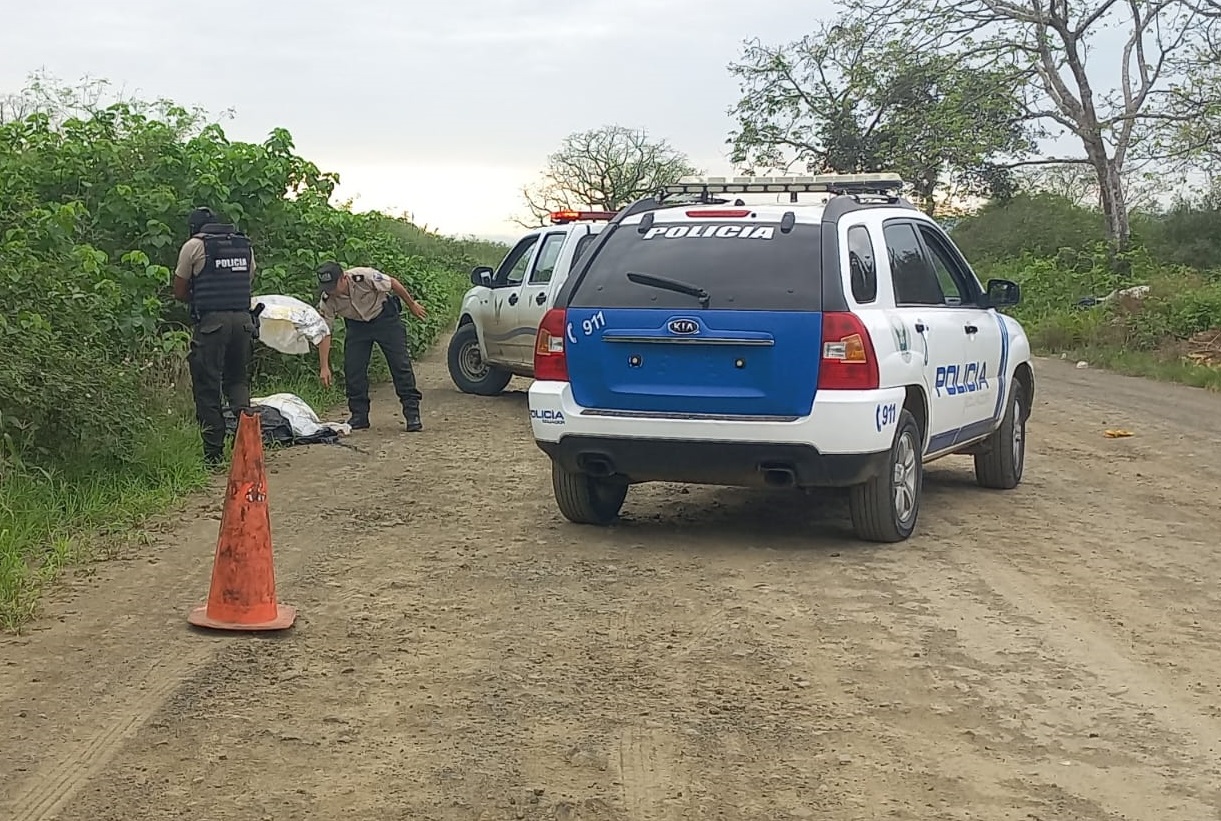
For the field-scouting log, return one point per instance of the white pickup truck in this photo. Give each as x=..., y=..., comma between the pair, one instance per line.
x=498, y=323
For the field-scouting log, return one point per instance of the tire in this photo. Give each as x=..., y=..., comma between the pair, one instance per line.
x=586, y=500
x=467, y=368
x=1000, y=463
x=876, y=513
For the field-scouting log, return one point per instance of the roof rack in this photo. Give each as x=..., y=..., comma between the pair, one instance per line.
x=886, y=182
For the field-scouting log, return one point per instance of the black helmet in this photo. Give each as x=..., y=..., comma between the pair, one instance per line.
x=198, y=218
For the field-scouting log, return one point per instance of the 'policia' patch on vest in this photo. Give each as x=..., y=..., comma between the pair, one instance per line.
x=223, y=284
x=234, y=264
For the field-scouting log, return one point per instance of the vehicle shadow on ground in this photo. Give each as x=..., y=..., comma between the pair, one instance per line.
x=720, y=518
x=813, y=522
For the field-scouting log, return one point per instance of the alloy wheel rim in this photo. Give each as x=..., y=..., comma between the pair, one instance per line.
x=903, y=481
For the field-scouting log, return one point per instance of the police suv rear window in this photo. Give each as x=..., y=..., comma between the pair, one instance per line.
x=741, y=264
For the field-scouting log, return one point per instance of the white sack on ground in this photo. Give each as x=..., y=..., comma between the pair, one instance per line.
x=300, y=415
x=287, y=324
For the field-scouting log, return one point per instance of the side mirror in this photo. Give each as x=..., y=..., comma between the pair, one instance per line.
x=1002, y=293
x=481, y=275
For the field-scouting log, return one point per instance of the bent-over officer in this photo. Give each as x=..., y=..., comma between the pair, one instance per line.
x=369, y=302
x=214, y=277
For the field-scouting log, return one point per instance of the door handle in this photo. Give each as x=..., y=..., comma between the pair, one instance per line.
x=541, y=298
x=971, y=329
x=513, y=298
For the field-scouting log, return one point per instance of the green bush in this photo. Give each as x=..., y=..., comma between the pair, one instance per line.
x=1182, y=300
x=1038, y=225
x=93, y=213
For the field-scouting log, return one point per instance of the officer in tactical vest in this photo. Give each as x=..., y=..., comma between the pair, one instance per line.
x=369, y=302
x=214, y=276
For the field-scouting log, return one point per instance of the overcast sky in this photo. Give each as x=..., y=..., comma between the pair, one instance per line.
x=443, y=112
x=441, y=109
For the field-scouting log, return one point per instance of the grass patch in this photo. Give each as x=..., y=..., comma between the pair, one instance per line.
x=1162, y=366
x=51, y=519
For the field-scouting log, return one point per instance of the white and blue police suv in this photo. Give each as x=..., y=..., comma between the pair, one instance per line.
x=844, y=342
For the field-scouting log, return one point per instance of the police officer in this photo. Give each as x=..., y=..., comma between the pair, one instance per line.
x=369, y=302
x=214, y=275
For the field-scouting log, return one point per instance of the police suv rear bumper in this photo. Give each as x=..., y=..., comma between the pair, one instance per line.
x=736, y=464
x=845, y=440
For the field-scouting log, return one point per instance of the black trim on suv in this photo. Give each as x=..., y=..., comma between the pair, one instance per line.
x=695, y=461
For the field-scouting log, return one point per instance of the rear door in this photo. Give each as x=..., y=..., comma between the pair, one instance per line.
x=641, y=342
x=940, y=337
x=980, y=382
x=532, y=298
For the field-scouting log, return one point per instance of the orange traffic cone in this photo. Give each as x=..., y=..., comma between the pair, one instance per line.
x=243, y=591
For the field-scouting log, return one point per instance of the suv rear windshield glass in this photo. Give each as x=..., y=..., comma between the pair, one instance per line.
x=742, y=265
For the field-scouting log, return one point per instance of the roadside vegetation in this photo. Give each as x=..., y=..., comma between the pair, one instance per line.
x=96, y=423
x=1163, y=317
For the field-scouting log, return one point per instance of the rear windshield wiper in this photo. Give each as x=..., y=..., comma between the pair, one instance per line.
x=671, y=285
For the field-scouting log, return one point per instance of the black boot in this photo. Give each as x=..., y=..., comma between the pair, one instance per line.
x=414, y=423
x=358, y=422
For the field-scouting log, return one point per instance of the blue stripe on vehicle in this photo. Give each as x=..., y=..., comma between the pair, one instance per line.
x=1000, y=394
x=950, y=438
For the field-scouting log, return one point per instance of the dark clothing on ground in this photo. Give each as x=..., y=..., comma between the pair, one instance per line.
x=221, y=349
x=389, y=333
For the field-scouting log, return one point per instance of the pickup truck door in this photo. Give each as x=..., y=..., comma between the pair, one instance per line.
x=534, y=297
x=500, y=327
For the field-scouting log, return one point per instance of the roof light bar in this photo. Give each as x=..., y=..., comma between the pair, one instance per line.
x=566, y=216
x=821, y=183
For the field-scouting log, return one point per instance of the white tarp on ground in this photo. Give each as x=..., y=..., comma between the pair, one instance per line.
x=300, y=415
x=287, y=324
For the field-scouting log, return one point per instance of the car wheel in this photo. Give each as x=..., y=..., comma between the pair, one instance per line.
x=1002, y=459
x=468, y=369
x=886, y=508
x=587, y=500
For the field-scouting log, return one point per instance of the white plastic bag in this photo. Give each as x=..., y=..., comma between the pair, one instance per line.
x=300, y=415
x=287, y=324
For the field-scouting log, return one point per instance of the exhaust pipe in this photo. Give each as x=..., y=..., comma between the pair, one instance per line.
x=779, y=476
x=597, y=466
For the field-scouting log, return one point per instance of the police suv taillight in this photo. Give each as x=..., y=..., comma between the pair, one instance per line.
x=848, y=359
x=550, y=360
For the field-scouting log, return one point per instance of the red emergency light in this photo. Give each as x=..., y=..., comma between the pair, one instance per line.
x=561, y=217
x=720, y=213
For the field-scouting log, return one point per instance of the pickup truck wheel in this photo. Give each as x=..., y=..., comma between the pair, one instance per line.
x=999, y=465
x=469, y=370
x=587, y=500
x=885, y=508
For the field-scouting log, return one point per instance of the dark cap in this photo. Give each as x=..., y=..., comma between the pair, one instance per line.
x=198, y=218
x=329, y=274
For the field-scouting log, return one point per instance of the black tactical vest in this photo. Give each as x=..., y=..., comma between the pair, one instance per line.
x=223, y=284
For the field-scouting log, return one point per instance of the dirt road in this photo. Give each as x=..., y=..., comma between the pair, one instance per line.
x=462, y=653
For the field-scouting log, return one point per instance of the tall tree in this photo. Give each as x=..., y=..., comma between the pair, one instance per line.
x=604, y=169
x=848, y=99
x=1116, y=106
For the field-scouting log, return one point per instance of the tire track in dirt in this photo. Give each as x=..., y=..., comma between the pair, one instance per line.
x=54, y=786
x=93, y=658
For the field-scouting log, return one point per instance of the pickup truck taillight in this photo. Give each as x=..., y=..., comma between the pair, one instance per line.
x=550, y=361
x=848, y=359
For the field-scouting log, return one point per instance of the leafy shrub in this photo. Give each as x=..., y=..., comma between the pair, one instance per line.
x=92, y=213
